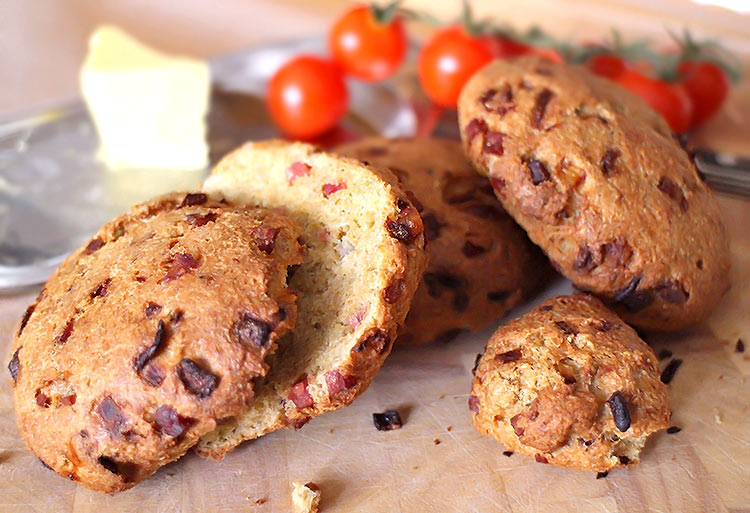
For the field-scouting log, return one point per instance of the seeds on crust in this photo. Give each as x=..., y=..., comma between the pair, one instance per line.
x=250, y=331
x=66, y=332
x=169, y=422
x=537, y=171
x=25, y=319
x=620, y=413
x=113, y=419
x=14, y=366
x=408, y=224
x=394, y=290
x=474, y=403
x=101, y=290
x=493, y=143
x=634, y=300
x=151, y=309
x=471, y=250
x=197, y=381
x=93, y=245
x=192, y=199
x=474, y=128
x=584, y=262
x=375, y=340
x=540, y=107
x=509, y=356
x=672, y=292
x=147, y=354
x=154, y=374
x=201, y=219
x=608, y=161
x=181, y=264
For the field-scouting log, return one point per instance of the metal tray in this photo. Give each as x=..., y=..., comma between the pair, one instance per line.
x=54, y=193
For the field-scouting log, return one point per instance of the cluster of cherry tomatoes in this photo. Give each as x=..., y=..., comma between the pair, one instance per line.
x=308, y=95
x=692, y=99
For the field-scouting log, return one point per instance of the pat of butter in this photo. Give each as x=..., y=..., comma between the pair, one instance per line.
x=149, y=108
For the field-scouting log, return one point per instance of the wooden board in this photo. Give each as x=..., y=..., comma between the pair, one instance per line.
x=437, y=461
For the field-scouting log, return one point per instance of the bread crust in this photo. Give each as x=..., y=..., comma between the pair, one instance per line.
x=482, y=264
x=557, y=384
x=150, y=334
x=597, y=180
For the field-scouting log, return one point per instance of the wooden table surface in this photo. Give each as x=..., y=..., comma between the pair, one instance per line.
x=437, y=461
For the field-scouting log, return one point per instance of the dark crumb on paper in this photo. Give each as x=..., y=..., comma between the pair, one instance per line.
x=740, y=346
x=669, y=371
x=387, y=421
x=664, y=353
x=436, y=441
x=258, y=502
x=601, y=475
x=508, y=453
x=415, y=467
x=671, y=430
x=449, y=428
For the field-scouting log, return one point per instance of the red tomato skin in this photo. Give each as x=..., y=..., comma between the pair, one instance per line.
x=366, y=49
x=610, y=66
x=548, y=53
x=504, y=48
x=670, y=100
x=307, y=96
x=447, y=61
x=707, y=85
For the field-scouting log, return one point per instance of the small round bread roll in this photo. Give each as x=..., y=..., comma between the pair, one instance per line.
x=149, y=335
x=569, y=384
x=597, y=180
x=481, y=263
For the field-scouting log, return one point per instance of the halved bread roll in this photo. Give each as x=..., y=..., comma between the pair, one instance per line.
x=365, y=258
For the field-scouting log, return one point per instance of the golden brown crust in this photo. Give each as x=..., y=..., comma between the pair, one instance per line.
x=599, y=183
x=364, y=261
x=553, y=384
x=151, y=333
x=481, y=263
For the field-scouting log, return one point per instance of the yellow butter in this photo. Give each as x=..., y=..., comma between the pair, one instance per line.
x=149, y=108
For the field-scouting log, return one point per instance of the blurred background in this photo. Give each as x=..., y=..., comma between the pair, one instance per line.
x=43, y=43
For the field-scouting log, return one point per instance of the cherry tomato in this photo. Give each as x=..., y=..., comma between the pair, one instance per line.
x=670, y=100
x=549, y=53
x=707, y=85
x=447, y=61
x=610, y=66
x=365, y=48
x=307, y=96
x=504, y=47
